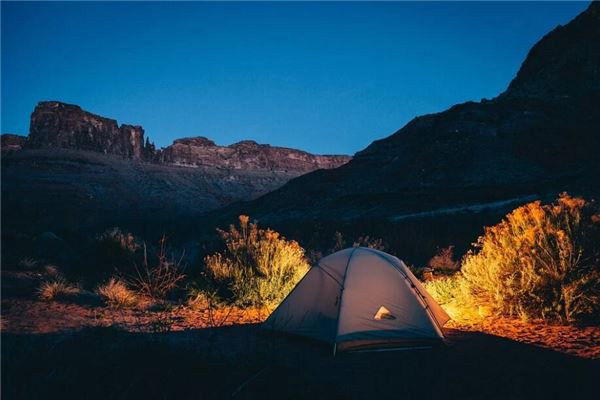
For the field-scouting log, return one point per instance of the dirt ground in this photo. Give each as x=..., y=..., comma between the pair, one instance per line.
x=78, y=348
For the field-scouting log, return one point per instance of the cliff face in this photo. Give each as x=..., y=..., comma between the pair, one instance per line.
x=248, y=154
x=55, y=124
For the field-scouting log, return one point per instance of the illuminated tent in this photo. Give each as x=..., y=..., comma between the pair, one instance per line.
x=361, y=298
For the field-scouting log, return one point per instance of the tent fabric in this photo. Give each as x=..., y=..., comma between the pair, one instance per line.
x=360, y=296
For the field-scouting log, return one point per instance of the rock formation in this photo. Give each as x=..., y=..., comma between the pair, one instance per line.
x=56, y=124
x=247, y=154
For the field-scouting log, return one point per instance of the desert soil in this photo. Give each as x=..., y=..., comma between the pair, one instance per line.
x=79, y=348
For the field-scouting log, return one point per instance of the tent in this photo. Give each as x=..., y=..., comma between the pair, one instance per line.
x=361, y=298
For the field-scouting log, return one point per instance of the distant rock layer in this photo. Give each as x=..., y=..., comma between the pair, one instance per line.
x=56, y=124
x=200, y=151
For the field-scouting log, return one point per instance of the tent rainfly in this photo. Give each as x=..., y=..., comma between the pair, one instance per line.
x=361, y=298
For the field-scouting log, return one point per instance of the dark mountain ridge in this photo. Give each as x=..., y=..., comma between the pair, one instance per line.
x=539, y=137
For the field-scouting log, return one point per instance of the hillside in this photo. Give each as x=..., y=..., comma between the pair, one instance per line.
x=537, y=138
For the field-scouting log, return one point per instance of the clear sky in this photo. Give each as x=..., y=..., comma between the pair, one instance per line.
x=323, y=77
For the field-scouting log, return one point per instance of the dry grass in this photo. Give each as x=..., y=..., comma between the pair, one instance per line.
x=57, y=288
x=159, y=280
x=258, y=267
x=116, y=294
x=28, y=263
x=51, y=270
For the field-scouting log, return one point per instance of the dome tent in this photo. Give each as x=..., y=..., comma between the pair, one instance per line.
x=360, y=298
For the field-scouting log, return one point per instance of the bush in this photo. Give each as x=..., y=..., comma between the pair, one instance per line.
x=57, y=288
x=541, y=261
x=115, y=250
x=116, y=294
x=258, y=267
x=159, y=280
x=444, y=261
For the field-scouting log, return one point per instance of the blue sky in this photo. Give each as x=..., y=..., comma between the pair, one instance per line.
x=323, y=77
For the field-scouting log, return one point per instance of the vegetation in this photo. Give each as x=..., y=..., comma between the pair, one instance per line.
x=541, y=261
x=116, y=294
x=28, y=263
x=159, y=279
x=115, y=251
x=444, y=261
x=258, y=266
x=56, y=288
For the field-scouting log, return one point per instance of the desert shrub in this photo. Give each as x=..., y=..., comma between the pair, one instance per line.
x=116, y=294
x=159, y=278
x=370, y=242
x=339, y=243
x=541, y=261
x=56, y=288
x=28, y=263
x=444, y=261
x=258, y=266
x=51, y=270
x=115, y=250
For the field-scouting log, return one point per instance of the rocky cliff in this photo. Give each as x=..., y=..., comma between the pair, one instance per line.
x=79, y=172
x=56, y=124
x=200, y=151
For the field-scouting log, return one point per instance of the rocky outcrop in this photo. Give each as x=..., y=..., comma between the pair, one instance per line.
x=247, y=154
x=12, y=142
x=56, y=124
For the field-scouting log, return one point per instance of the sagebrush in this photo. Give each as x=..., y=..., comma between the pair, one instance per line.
x=258, y=266
x=541, y=261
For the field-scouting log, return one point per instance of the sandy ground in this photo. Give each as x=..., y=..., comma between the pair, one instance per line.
x=34, y=317
x=78, y=348
x=579, y=341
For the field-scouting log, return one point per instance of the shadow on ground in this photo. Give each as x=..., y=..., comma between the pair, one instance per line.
x=244, y=362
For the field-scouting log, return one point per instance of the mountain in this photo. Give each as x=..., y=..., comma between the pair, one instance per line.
x=77, y=171
x=541, y=136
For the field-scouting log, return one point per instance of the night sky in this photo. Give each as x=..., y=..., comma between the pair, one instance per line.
x=323, y=77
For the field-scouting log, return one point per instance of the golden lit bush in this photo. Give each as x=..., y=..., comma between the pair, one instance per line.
x=258, y=267
x=56, y=288
x=116, y=294
x=541, y=261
